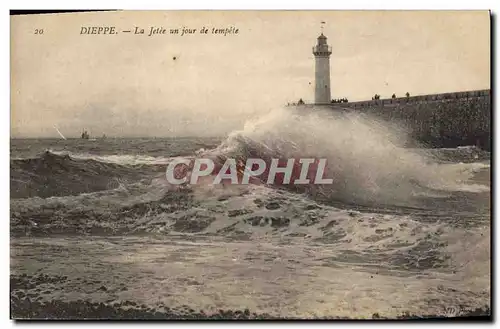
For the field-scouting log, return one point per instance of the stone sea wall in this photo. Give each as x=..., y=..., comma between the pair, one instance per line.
x=440, y=120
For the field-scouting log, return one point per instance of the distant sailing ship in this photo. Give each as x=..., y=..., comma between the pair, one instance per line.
x=85, y=135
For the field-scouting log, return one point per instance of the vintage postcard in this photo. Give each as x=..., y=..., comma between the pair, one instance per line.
x=250, y=165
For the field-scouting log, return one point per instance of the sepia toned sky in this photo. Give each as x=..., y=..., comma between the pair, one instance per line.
x=131, y=85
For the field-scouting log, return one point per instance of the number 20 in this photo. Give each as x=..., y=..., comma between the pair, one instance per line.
x=38, y=31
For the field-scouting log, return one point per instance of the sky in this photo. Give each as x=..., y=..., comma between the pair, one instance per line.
x=128, y=85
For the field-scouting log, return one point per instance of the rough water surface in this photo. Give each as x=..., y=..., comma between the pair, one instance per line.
x=97, y=232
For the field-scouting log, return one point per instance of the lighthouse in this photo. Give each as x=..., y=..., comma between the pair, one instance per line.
x=322, y=54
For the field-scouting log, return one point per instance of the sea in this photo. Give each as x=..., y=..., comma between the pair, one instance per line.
x=403, y=230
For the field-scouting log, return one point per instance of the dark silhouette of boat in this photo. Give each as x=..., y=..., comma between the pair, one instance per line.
x=85, y=135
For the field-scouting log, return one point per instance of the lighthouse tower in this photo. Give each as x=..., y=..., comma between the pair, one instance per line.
x=322, y=54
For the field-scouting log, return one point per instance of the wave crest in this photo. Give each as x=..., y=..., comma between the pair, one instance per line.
x=57, y=175
x=366, y=157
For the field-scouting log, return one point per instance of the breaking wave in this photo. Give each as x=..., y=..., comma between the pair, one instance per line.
x=366, y=157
